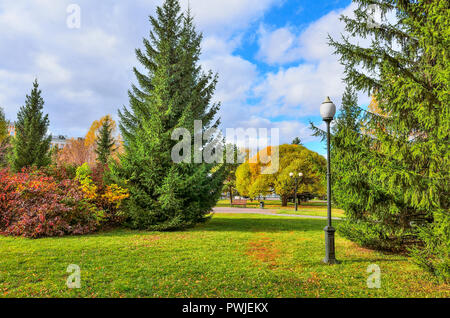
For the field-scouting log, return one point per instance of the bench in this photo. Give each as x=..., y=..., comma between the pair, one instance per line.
x=239, y=202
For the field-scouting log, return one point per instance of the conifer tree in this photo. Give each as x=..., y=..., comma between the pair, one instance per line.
x=4, y=139
x=172, y=93
x=105, y=141
x=3, y=126
x=347, y=154
x=407, y=159
x=31, y=144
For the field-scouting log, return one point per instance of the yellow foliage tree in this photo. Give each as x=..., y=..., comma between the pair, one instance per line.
x=250, y=182
x=91, y=136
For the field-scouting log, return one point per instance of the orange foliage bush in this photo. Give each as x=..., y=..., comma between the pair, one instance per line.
x=77, y=153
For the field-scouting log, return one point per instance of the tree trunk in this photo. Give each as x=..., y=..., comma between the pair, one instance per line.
x=231, y=196
x=284, y=200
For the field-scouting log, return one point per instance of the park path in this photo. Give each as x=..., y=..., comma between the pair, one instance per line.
x=264, y=212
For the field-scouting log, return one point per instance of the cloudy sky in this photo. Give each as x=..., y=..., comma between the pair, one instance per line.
x=274, y=65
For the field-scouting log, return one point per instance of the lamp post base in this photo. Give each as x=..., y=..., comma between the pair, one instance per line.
x=331, y=261
x=330, y=256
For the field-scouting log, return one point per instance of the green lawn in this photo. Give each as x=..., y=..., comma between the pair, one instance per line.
x=314, y=208
x=313, y=212
x=231, y=256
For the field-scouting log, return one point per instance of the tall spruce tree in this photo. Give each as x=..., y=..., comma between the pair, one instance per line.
x=172, y=93
x=4, y=139
x=3, y=126
x=31, y=144
x=105, y=141
x=355, y=185
x=406, y=68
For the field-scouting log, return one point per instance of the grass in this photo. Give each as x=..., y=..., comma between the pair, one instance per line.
x=313, y=208
x=313, y=212
x=230, y=256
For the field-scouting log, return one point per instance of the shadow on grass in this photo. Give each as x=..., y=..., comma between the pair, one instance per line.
x=369, y=260
x=236, y=223
x=260, y=224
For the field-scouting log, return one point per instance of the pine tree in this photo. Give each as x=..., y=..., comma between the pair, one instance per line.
x=31, y=144
x=3, y=126
x=4, y=139
x=171, y=94
x=406, y=69
x=105, y=141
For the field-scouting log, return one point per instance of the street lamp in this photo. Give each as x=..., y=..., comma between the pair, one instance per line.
x=297, y=179
x=327, y=111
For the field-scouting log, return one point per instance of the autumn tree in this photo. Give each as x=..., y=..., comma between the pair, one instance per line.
x=292, y=158
x=76, y=152
x=91, y=137
x=297, y=141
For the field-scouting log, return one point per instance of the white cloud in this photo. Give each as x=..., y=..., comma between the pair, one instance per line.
x=300, y=89
x=94, y=42
x=286, y=44
x=213, y=45
x=236, y=77
x=9, y=96
x=288, y=129
x=277, y=47
x=219, y=16
x=50, y=69
x=85, y=73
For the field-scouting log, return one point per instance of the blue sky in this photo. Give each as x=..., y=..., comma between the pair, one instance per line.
x=274, y=65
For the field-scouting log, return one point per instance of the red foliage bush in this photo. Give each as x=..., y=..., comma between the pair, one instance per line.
x=33, y=204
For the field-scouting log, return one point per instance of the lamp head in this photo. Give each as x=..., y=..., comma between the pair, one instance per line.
x=327, y=110
x=291, y=174
x=300, y=174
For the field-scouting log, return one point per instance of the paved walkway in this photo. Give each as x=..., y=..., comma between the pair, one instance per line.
x=265, y=212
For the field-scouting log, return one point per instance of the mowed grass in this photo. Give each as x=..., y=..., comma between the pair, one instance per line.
x=313, y=212
x=313, y=208
x=230, y=256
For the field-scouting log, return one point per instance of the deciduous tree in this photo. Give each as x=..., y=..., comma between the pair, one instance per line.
x=292, y=158
x=76, y=152
x=91, y=136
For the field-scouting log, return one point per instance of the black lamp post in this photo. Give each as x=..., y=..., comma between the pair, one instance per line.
x=327, y=111
x=296, y=180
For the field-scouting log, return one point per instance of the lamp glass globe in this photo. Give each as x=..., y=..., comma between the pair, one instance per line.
x=327, y=109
